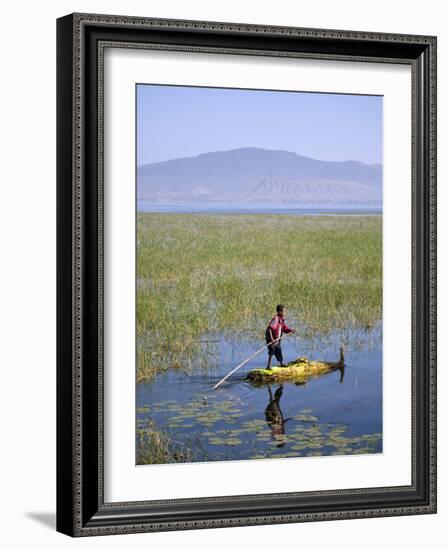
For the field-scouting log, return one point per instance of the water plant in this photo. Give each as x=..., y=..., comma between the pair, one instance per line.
x=154, y=446
x=203, y=277
x=218, y=432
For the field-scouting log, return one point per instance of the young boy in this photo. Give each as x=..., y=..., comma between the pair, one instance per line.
x=277, y=326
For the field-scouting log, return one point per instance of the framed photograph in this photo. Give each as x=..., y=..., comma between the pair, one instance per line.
x=246, y=274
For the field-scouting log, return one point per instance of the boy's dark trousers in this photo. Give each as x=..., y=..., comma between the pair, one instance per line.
x=275, y=349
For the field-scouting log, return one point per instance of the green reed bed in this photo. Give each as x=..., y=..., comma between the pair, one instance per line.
x=201, y=277
x=156, y=447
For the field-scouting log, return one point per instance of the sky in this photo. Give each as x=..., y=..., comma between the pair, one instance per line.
x=183, y=121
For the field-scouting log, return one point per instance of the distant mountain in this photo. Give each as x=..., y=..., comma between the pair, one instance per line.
x=260, y=175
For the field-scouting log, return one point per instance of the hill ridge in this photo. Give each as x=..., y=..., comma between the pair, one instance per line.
x=253, y=174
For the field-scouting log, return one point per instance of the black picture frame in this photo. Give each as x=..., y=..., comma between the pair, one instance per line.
x=81, y=510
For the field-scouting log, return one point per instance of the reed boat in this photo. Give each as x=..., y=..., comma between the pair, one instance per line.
x=300, y=370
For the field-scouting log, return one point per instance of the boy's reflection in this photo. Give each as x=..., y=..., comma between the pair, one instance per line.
x=274, y=415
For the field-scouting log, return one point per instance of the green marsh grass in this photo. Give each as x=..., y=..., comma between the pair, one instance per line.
x=201, y=277
x=156, y=447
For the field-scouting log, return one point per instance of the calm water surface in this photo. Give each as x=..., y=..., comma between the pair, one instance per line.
x=252, y=208
x=334, y=414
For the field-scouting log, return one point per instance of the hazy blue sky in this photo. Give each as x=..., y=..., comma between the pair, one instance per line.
x=177, y=121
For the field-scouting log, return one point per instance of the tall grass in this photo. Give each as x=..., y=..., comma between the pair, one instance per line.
x=203, y=276
x=155, y=447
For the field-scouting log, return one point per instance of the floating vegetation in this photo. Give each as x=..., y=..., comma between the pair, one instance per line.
x=306, y=418
x=299, y=370
x=214, y=426
x=224, y=441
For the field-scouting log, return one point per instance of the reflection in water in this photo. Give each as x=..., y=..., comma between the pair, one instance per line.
x=340, y=368
x=274, y=415
x=336, y=413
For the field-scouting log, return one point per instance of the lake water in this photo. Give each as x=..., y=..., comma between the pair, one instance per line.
x=334, y=414
x=252, y=208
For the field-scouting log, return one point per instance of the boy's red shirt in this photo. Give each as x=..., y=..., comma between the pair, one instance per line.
x=277, y=323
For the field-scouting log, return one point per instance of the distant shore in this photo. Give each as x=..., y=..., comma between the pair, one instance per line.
x=254, y=208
